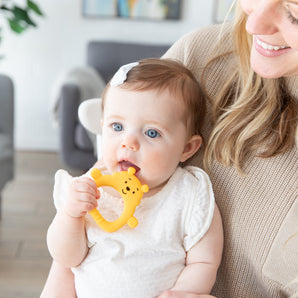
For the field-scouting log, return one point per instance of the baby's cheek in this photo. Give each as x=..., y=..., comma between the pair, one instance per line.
x=158, y=163
x=153, y=158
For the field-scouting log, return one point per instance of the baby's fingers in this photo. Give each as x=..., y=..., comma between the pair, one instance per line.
x=82, y=207
x=79, y=204
x=85, y=198
x=85, y=185
x=82, y=197
x=78, y=210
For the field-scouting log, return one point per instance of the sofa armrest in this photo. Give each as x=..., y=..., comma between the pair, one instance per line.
x=71, y=154
x=7, y=106
x=6, y=131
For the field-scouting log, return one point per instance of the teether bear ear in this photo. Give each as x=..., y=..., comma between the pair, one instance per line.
x=95, y=173
x=131, y=171
x=144, y=188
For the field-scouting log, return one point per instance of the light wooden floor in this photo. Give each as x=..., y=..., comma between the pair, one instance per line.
x=27, y=210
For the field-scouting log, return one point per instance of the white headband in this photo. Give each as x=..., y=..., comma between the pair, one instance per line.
x=121, y=74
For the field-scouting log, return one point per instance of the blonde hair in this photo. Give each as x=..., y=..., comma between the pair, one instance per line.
x=252, y=115
x=167, y=74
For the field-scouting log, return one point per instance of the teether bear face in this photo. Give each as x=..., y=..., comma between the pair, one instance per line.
x=131, y=189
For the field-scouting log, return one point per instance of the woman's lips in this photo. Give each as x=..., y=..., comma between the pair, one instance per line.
x=125, y=164
x=268, y=50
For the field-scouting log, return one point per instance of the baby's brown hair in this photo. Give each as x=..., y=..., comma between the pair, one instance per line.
x=167, y=74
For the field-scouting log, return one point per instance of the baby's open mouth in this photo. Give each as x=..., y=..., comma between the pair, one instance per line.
x=125, y=164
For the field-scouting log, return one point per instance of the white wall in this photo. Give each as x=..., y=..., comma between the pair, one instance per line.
x=36, y=58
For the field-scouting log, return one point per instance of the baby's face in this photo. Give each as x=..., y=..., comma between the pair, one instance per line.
x=145, y=130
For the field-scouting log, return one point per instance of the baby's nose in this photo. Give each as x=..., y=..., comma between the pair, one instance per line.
x=131, y=143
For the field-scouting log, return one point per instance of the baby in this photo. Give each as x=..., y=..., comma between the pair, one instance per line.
x=152, y=112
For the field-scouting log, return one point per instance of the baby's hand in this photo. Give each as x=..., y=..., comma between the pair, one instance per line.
x=82, y=197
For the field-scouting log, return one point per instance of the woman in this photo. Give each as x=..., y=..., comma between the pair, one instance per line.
x=251, y=76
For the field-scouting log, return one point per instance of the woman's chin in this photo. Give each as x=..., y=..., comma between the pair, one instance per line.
x=272, y=68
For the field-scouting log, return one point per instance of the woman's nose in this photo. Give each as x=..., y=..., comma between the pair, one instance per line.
x=130, y=142
x=262, y=16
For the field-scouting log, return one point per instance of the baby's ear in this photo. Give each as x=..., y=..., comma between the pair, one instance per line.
x=191, y=147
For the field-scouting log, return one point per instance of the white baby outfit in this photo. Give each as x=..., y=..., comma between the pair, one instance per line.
x=147, y=260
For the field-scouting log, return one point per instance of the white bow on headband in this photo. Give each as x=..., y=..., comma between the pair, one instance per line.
x=121, y=74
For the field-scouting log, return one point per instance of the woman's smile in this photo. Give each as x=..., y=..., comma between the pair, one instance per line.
x=269, y=50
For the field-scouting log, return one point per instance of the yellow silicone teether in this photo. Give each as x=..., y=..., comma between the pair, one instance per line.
x=131, y=190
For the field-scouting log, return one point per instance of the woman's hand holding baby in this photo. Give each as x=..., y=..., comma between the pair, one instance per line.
x=82, y=197
x=180, y=294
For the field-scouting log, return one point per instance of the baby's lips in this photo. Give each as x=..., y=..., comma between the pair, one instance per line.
x=125, y=164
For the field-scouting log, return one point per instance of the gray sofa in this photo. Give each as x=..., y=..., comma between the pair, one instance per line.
x=75, y=146
x=6, y=131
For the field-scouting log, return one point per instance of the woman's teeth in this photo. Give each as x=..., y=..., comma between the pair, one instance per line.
x=269, y=47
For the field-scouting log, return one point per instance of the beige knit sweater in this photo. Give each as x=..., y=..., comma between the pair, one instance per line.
x=260, y=211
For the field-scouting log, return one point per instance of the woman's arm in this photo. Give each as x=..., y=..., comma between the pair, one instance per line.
x=202, y=262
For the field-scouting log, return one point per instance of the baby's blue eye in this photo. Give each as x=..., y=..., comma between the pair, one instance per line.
x=152, y=133
x=117, y=126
